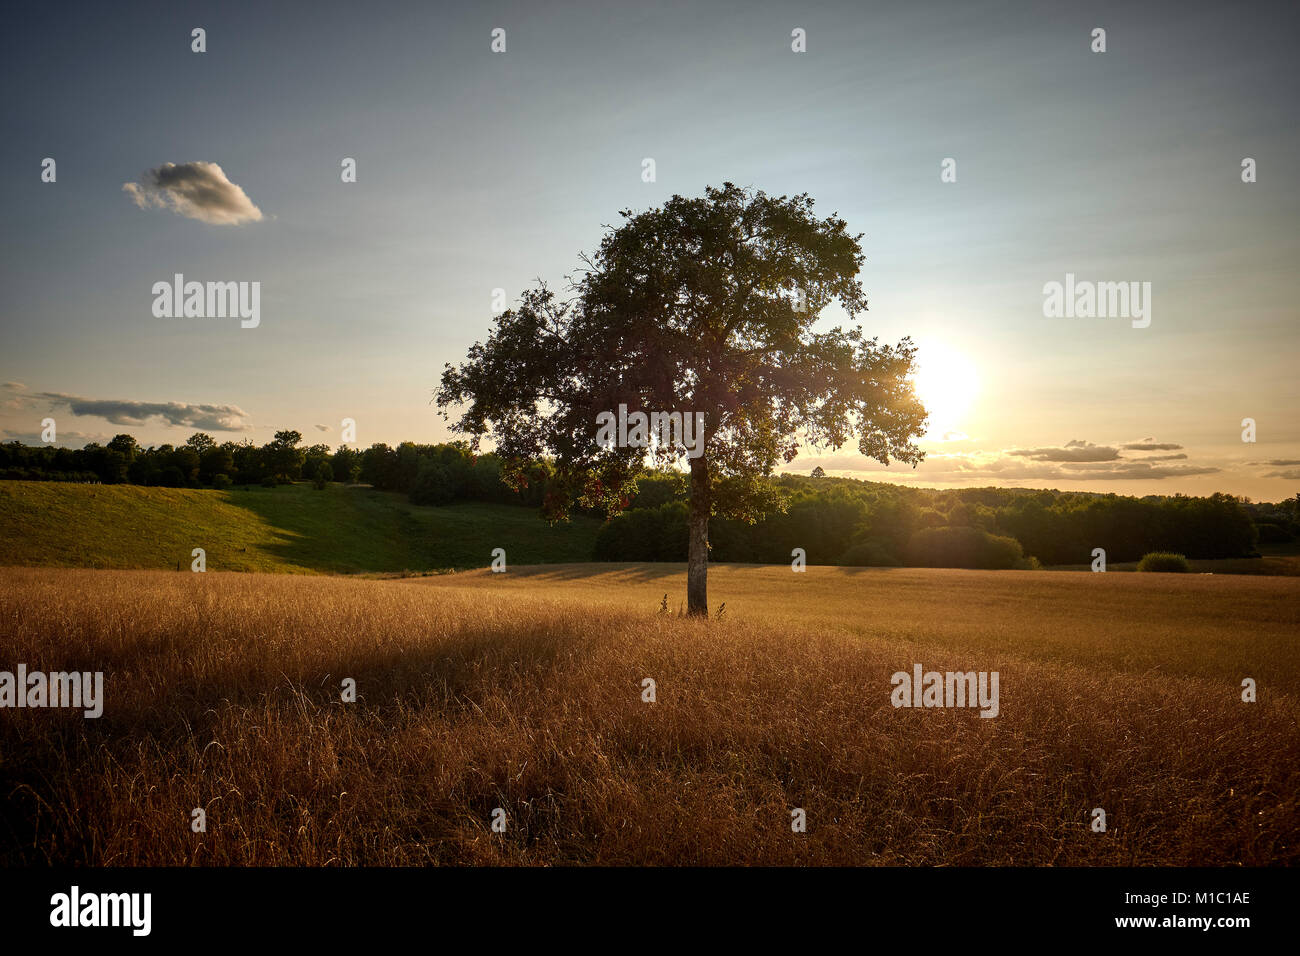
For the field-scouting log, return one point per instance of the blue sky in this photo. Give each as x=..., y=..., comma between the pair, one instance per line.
x=479, y=170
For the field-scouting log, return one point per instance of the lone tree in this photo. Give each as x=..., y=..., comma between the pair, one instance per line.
x=704, y=305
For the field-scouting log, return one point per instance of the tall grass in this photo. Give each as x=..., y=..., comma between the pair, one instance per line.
x=523, y=691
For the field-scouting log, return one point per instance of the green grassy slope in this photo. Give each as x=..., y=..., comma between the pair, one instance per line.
x=292, y=528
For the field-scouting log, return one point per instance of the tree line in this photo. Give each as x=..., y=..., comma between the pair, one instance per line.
x=429, y=474
x=833, y=520
x=850, y=522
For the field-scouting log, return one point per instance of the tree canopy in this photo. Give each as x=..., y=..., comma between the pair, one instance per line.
x=708, y=305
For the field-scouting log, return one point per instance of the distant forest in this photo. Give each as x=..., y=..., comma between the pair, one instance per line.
x=834, y=520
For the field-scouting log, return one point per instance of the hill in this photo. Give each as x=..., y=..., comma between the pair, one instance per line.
x=292, y=528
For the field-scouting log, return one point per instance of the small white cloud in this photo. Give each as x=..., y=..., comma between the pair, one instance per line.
x=195, y=190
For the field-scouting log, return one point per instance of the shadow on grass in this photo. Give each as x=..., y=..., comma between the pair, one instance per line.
x=356, y=529
x=594, y=570
x=46, y=754
x=640, y=572
x=337, y=529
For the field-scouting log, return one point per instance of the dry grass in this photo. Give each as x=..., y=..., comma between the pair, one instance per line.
x=522, y=691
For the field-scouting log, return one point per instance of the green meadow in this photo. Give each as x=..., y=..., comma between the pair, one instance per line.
x=292, y=528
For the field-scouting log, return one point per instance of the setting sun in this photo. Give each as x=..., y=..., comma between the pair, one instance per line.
x=946, y=382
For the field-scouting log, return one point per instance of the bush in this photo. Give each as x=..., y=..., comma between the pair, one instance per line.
x=645, y=534
x=657, y=489
x=949, y=547
x=1164, y=561
x=871, y=553
x=269, y=481
x=322, y=474
x=221, y=481
x=435, y=485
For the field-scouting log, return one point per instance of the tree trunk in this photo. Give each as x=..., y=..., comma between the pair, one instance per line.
x=697, y=562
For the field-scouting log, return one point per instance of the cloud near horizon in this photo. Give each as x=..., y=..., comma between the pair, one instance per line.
x=1148, y=444
x=195, y=190
x=1072, y=451
x=1076, y=460
x=225, y=418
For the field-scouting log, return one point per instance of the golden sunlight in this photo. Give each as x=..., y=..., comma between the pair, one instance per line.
x=947, y=383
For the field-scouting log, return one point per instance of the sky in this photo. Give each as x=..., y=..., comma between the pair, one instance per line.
x=479, y=170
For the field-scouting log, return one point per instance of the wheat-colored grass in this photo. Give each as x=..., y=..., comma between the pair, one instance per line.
x=523, y=691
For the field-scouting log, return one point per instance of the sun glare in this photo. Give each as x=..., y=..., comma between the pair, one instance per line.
x=947, y=383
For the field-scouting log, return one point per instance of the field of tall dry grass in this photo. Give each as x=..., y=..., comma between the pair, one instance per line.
x=523, y=691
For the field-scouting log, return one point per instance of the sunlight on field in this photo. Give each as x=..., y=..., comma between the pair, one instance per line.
x=1188, y=624
x=523, y=691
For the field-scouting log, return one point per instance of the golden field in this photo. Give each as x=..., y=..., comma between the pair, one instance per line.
x=523, y=691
